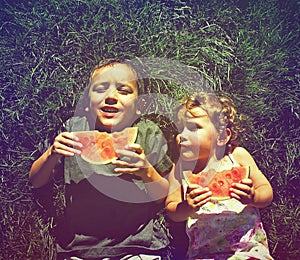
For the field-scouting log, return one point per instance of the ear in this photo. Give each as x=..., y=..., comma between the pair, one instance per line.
x=224, y=137
x=141, y=103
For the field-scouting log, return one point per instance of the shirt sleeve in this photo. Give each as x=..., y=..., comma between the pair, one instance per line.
x=155, y=146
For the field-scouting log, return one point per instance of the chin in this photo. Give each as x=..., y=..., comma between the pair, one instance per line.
x=188, y=157
x=116, y=127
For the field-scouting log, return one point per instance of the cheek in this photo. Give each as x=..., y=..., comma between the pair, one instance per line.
x=130, y=99
x=95, y=99
x=195, y=139
x=130, y=104
x=92, y=103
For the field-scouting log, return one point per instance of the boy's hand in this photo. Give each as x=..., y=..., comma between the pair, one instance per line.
x=133, y=160
x=65, y=144
x=197, y=196
x=244, y=191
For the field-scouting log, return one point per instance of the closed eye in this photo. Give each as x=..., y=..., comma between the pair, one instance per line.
x=193, y=127
x=100, y=88
x=179, y=126
x=124, y=89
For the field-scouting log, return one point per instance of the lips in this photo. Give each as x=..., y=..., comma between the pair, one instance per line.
x=107, y=109
x=182, y=143
x=184, y=147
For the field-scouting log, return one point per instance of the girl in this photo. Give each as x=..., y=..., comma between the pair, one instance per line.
x=228, y=229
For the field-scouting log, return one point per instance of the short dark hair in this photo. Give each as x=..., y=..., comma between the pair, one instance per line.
x=130, y=63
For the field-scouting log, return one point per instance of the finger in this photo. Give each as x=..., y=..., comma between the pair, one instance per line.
x=192, y=187
x=127, y=153
x=127, y=170
x=130, y=160
x=129, y=164
x=68, y=139
x=136, y=148
x=120, y=163
x=242, y=186
x=235, y=196
x=240, y=193
x=73, y=140
x=202, y=202
x=76, y=144
x=197, y=190
x=204, y=196
x=70, y=135
x=247, y=182
x=65, y=152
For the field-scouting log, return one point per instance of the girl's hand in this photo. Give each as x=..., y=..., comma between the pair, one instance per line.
x=197, y=196
x=65, y=144
x=133, y=160
x=244, y=191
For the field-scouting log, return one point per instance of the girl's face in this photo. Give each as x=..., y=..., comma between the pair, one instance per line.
x=113, y=96
x=198, y=137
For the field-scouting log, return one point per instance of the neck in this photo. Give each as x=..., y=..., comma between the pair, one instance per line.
x=201, y=165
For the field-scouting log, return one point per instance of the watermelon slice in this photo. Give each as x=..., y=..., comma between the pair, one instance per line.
x=219, y=182
x=100, y=147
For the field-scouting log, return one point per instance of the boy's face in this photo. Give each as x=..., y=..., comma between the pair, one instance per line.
x=198, y=136
x=113, y=96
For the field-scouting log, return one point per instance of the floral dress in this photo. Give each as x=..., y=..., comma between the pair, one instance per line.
x=226, y=229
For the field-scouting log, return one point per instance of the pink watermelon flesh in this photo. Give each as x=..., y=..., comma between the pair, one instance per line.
x=100, y=147
x=219, y=182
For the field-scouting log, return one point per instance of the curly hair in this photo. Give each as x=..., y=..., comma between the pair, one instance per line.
x=221, y=111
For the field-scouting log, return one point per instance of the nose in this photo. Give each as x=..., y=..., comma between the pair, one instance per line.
x=111, y=97
x=179, y=138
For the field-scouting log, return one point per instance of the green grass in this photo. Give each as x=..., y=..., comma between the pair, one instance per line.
x=249, y=49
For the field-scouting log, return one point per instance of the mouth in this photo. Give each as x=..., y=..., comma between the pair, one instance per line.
x=109, y=110
x=184, y=146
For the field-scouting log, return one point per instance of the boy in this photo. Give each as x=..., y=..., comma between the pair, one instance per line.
x=112, y=211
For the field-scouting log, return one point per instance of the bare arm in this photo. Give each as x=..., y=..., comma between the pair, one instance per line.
x=256, y=190
x=42, y=169
x=180, y=208
x=156, y=185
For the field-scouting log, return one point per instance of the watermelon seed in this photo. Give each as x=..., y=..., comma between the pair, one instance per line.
x=221, y=183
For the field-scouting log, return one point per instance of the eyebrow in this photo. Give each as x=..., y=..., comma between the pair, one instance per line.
x=106, y=82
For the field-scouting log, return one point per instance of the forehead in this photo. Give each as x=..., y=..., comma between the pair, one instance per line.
x=195, y=115
x=117, y=72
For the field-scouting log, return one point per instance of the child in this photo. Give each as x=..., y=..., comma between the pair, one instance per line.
x=228, y=229
x=112, y=211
